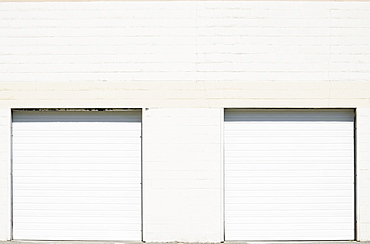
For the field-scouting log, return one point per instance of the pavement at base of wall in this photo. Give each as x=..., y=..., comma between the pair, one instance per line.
x=227, y=242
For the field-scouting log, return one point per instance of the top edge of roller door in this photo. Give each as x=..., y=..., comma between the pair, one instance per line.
x=289, y=115
x=76, y=116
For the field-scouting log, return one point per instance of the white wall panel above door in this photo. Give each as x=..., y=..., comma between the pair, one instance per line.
x=77, y=175
x=289, y=174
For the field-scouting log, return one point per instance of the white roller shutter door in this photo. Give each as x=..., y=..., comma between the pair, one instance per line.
x=77, y=175
x=289, y=174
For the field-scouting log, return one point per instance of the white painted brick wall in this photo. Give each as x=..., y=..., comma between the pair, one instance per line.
x=201, y=56
x=182, y=172
x=185, y=41
x=106, y=41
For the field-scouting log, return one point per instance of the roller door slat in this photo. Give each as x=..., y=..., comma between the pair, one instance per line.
x=77, y=175
x=289, y=175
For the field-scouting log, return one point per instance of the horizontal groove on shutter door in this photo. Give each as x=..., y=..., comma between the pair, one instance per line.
x=77, y=175
x=289, y=174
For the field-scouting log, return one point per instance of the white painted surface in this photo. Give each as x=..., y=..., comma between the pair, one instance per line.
x=185, y=41
x=5, y=174
x=182, y=172
x=185, y=54
x=289, y=175
x=77, y=175
x=362, y=172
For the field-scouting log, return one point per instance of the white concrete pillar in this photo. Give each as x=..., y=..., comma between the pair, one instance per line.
x=182, y=175
x=363, y=173
x=5, y=174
